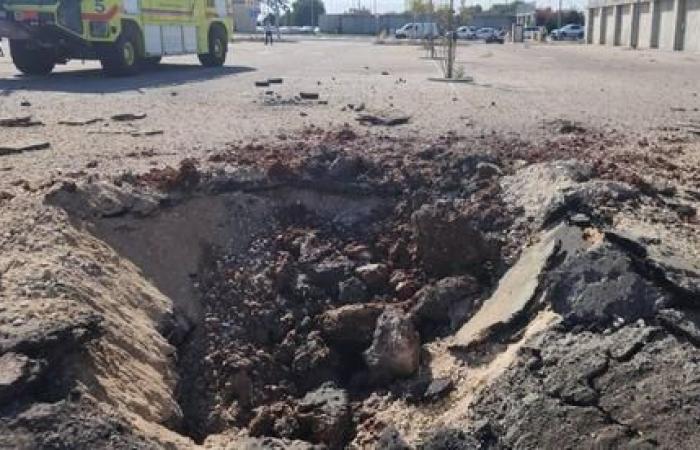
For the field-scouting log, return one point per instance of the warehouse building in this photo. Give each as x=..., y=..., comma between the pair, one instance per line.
x=662, y=24
x=245, y=15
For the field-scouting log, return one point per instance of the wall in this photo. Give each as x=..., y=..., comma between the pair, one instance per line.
x=692, y=29
x=596, y=23
x=625, y=32
x=492, y=20
x=364, y=24
x=667, y=24
x=610, y=25
x=663, y=24
x=644, y=40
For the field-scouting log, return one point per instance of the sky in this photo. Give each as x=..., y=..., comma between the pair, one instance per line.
x=382, y=6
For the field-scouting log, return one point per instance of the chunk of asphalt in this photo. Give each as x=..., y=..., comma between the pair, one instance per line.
x=19, y=147
x=517, y=289
x=19, y=122
x=128, y=117
x=79, y=122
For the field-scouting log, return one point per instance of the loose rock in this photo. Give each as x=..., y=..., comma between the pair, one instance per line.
x=395, y=350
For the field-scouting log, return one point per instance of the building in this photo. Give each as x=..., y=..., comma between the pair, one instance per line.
x=245, y=15
x=374, y=24
x=367, y=23
x=525, y=14
x=487, y=19
x=662, y=24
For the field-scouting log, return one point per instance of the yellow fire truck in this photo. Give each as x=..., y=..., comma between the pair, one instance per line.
x=124, y=35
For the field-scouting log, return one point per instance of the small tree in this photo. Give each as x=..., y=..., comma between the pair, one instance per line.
x=420, y=6
x=362, y=11
x=442, y=16
x=467, y=13
x=306, y=12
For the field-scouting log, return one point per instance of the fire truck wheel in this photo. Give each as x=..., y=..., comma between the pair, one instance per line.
x=31, y=59
x=124, y=56
x=218, y=46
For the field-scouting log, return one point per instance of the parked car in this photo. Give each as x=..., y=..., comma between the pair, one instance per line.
x=466, y=32
x=491, y=35
x=499, y=37
x=417, y=30
x=485, y=33
x=569, y=31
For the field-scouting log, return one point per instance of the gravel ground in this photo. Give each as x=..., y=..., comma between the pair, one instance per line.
x=517, y=89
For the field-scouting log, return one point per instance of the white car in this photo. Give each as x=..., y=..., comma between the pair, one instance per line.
x=569, y=31
x=466, y=32
x=418, y=30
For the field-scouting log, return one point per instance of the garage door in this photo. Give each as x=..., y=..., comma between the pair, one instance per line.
x=595, y=27
x=667, y=24
x=610, y=25
x=692, y=26
x=624, y=36
x=645, y=25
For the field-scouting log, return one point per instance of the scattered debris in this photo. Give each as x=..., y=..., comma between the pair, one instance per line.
x=438, y=388
x=80, y=122
x=369, y=119
x=565, y=126
x=353, y=107
x=275, y=80
x=692, y=127
x=135, y=133
x=8, y=149
x=17, y=122
x=309, y=95
x=265, y=83
x=128, y=117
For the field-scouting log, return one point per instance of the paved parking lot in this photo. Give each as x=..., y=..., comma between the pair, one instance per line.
x=517, y=88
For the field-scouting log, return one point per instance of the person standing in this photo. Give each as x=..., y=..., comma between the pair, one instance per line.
x=268, y=32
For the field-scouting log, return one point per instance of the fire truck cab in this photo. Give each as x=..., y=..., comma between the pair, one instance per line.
x=124, y=35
